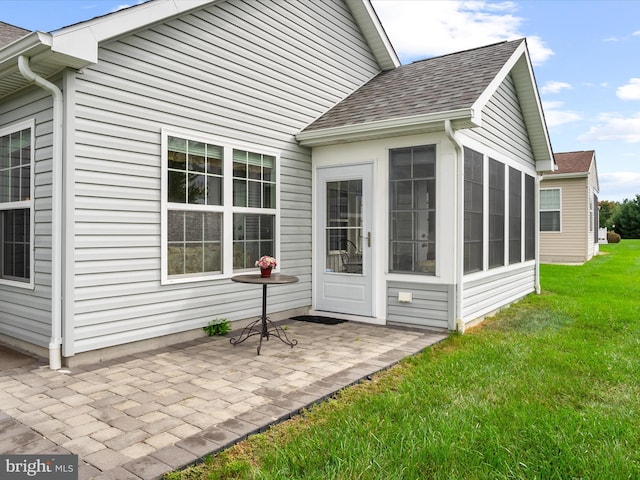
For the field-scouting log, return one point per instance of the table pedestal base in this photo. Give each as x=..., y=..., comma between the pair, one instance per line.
x=265, y=328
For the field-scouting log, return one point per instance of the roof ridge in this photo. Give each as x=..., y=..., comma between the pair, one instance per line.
x=15, y=26
x=575, y=151
x=467, y=50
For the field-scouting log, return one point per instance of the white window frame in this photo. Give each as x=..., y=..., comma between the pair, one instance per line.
x=559, y=209
x=227, y=209
x=24, y=204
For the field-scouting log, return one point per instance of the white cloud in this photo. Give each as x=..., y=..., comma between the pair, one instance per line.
x=614, y=127
x=127, y=5
x=630, y=91
x=636, y=33
x=425, y=29
x=554, y=116
x=617, y=186
x=554, y=87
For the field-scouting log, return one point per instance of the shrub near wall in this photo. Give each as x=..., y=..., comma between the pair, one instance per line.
x=613, y=237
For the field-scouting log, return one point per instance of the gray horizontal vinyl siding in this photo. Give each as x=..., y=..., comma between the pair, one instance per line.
x=25, y=314
x=503, y=127
x=431, y=306
x=483, y=296
x=250, y=72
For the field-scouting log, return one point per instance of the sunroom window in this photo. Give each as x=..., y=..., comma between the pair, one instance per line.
x=412, y=178
x=473, y=210
x=212, y=188
x=16, y=153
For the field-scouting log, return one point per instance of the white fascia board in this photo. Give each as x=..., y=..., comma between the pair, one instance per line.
x=396, y=126
x=561, y=176
x=374, y=33
x=491, y=89
x=115, y=24
x=521, y=62
x=546, y=166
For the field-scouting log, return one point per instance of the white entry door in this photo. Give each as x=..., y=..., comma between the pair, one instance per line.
x=343, y=279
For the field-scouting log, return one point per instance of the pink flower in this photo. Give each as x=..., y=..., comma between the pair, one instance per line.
x=266, y=262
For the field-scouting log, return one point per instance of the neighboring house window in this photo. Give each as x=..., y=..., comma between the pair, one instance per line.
x=212, y=188
x=596, y=218
x=529, y=217
x=473, y=210
x=496, y=213
x=412, y=178
x=590, y=212
x=550, y=210
x=16, y=154
x=515, y=216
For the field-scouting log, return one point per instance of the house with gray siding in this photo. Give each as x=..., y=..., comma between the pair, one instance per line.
x=149, y=155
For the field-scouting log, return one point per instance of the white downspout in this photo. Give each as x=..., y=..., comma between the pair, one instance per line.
x=55, y=343
x=537, y=222
x=459, y=244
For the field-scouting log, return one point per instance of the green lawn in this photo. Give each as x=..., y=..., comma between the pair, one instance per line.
x=546, y=389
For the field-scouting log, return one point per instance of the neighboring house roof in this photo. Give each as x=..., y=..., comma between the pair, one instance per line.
x=575, y=165
x=10, y=33
x=76, y=46
x=574, y=162
x=420, y=96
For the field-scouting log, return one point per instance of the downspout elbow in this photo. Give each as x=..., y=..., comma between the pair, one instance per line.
x=55, y=342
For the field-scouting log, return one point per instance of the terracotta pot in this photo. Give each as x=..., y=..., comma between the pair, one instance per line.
x=265, y=272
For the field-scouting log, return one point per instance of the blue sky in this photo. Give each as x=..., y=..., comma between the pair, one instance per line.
x=586, y=60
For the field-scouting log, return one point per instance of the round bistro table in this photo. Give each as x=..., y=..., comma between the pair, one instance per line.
x=263, y=326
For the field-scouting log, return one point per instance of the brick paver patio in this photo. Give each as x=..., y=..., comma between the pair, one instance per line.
x=146, y=414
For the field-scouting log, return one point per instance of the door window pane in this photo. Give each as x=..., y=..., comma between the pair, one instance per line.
x=344, y=226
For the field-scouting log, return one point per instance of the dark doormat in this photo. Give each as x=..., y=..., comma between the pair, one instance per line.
x=317, y=319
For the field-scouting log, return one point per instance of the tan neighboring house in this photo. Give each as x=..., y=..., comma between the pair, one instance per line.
x=569, y=209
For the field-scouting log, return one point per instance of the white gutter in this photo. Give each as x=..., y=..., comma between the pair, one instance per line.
x=387, y=127
x=459, y=206
x=55, y=343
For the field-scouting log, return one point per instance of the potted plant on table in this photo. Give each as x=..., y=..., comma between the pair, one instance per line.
x=266, y=264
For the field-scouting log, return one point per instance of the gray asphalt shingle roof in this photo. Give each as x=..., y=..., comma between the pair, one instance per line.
x=10, y=33
x=438, y=84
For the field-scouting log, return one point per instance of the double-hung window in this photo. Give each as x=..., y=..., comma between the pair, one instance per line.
x=550, y=220
x=220, y=213
x=16, y=156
